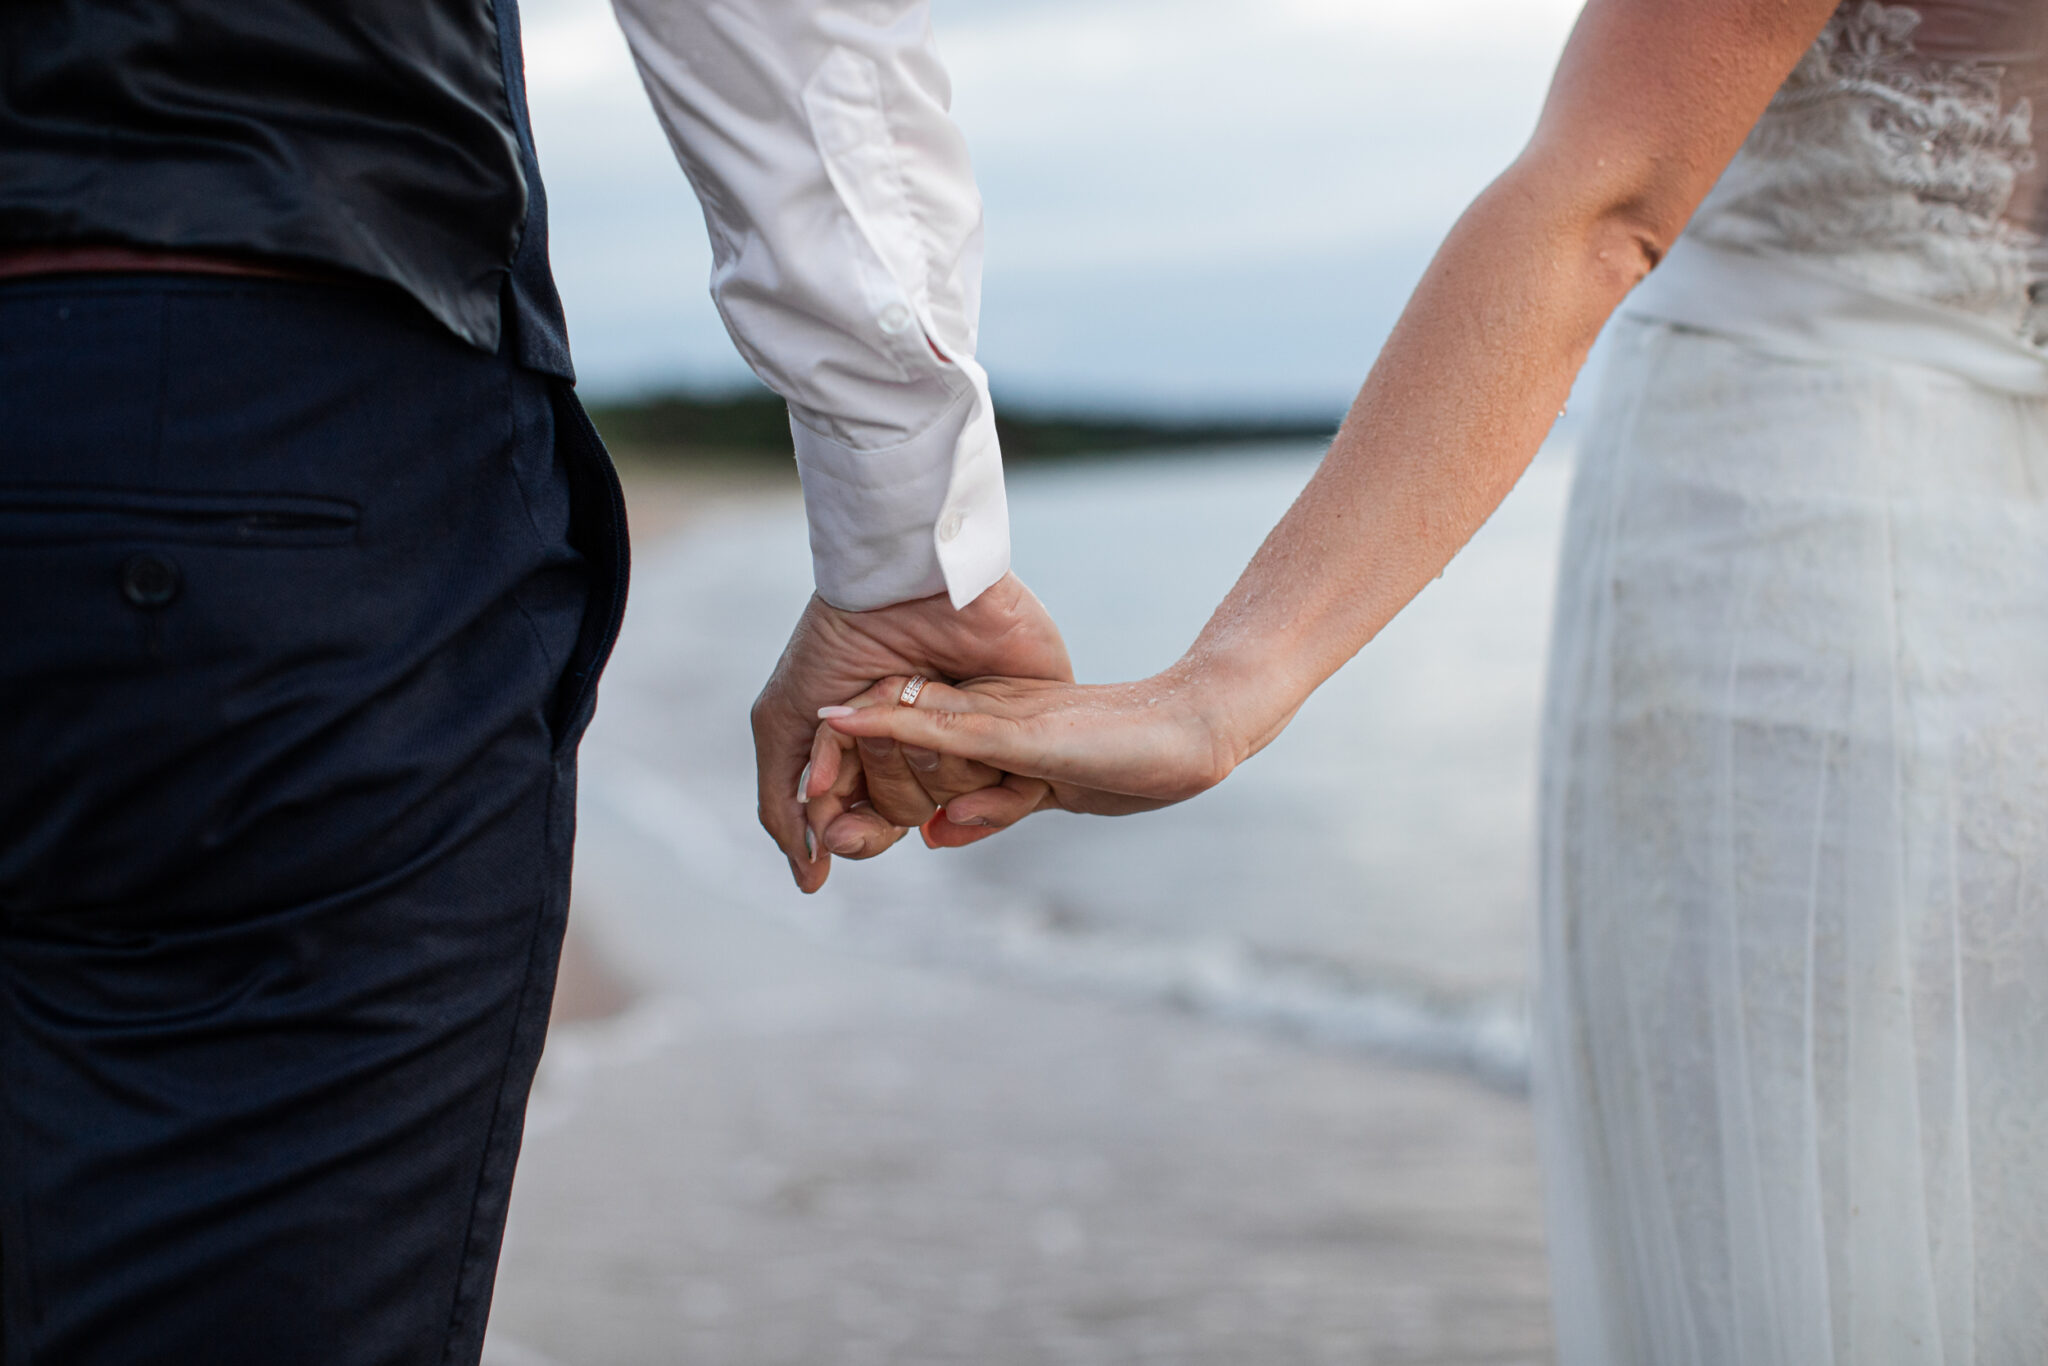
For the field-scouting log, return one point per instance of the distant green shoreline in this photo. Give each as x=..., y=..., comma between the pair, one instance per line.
x=728, y=427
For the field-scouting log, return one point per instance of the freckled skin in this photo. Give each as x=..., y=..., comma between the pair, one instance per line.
x=1650, y=102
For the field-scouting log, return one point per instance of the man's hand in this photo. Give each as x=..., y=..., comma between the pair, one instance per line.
x=834, y=655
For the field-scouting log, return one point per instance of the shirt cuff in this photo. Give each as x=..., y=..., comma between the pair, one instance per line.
x=928, y=516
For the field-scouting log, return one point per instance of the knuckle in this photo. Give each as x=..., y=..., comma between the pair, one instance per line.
x=903, y=812
x=947, y=722
x=1206, y=774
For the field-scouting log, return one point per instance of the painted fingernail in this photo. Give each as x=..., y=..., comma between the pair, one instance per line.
x=803, y=786
x=848, y=845
x=976, y=822
x=923, y=760
x=834, y=713
x=810, y=844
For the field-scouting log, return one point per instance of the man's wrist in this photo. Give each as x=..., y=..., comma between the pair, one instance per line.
x=1003, y=632
x=926, y=516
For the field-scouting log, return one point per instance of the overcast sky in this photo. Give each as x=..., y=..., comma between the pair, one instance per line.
x=1193, y=205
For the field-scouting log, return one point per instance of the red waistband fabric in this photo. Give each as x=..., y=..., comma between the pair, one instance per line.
x=21, y=262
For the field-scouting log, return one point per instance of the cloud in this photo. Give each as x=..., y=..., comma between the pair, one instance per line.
x=1171, y=185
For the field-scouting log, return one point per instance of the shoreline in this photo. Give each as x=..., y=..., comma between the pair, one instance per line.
x=664, y=497
x=752, y=1145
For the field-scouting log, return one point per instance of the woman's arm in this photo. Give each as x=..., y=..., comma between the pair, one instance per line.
x=1650, y=102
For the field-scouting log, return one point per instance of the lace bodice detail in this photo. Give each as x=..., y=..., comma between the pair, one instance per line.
x=1901, y=152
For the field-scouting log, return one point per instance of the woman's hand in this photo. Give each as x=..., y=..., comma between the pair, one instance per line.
x=1107, y=750
x=833, y=652
x=859, y=795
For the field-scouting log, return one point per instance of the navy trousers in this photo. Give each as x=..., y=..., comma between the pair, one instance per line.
x=302, y=607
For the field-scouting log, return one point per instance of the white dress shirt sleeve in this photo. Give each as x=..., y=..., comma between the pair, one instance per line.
x=846, y=241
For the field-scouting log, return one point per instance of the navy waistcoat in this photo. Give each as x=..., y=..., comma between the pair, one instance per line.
x=387, y=138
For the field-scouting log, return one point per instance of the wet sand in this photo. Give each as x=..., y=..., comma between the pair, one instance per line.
x=663, y=498
x=756, y=1146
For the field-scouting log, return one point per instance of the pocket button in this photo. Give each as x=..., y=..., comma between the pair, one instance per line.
x=150, y=580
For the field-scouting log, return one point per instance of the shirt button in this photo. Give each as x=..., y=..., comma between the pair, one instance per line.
x=949, y=527
x=894, y=319
x=149, y=580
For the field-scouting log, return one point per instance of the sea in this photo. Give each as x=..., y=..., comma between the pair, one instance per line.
x=1364, y=884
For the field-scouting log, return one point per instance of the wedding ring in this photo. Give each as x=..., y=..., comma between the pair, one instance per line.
x=908, y=697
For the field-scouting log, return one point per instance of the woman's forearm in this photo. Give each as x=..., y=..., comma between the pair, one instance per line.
x=1464, y=393
x=1650, y=102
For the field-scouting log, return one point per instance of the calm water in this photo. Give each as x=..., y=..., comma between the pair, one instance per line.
x=1367, y=881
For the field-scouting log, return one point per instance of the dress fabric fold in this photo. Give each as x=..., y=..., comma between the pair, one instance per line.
x=1793, y=1060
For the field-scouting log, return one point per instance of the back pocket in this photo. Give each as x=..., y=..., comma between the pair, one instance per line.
x=56, y=514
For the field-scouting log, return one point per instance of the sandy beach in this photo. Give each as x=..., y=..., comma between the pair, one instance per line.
x=754, y=1145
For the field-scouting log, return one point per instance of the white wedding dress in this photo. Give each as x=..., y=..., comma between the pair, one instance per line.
x=1792, y=1063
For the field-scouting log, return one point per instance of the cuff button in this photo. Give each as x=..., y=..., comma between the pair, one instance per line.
x=950, y=526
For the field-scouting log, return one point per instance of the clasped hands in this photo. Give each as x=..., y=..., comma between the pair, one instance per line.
x=844, y=770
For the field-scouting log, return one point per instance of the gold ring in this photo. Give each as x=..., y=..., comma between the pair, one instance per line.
x=908, y=697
